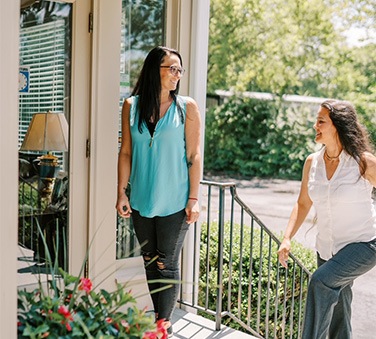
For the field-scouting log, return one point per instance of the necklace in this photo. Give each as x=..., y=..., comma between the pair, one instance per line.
x=331, y=158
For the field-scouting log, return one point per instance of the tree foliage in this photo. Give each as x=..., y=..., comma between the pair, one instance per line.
x=289, y=47
x=283, y=47
x=143, y=23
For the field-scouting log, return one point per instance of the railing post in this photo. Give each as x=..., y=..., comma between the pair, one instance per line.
x=221, y=226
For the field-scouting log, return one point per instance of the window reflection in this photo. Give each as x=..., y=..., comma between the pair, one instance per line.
x=143, y=28
x=45, y=68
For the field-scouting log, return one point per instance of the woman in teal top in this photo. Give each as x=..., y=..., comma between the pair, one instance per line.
x=160, y=159
x=151, y=159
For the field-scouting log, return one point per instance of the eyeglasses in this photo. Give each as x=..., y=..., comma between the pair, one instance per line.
x=175, y=71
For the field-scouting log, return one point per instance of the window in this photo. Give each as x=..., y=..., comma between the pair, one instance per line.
x=45, y=66
x=143, y=28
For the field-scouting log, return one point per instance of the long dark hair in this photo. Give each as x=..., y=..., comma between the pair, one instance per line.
x=148, y=86
x=352, y=135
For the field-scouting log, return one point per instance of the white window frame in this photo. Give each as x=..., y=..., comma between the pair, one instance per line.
x=187, y=30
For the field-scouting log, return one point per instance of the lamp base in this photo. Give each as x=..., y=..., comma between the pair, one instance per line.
x=48, y=166
x=48, y=169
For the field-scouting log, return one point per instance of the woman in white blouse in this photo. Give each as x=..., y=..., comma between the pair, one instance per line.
x=338, y=181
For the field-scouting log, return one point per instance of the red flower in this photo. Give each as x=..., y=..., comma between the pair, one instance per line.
x=85, y=285
x=159, y=333
x=63, y=310
x=150, y=335
x=68, y=326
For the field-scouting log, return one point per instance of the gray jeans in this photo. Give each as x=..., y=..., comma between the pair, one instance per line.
x=161, y=240
x=328, y=308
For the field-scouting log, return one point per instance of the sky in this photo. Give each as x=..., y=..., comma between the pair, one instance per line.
x=355, y=36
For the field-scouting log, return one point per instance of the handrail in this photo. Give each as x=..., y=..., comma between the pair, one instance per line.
x=250, y=289
x=270, y=233
x=29, y=196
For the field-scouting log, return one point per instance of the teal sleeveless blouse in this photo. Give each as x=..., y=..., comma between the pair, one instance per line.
x=159, y=175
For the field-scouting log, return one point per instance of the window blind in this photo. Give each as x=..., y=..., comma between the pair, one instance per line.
x=42, y=50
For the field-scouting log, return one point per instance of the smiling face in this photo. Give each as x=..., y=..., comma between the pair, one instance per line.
x=325, y=129
x=168, y=80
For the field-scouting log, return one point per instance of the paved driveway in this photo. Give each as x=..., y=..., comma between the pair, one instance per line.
x=272, y=201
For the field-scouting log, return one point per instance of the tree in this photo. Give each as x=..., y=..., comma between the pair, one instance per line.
x=295, y=47
x=286, y=47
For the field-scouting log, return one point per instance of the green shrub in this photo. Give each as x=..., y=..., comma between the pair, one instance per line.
x=251, y=298
x=258, y=138
x=262, y=138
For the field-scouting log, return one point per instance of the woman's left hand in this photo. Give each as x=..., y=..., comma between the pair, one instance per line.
x=192, y=210
x=284, y=251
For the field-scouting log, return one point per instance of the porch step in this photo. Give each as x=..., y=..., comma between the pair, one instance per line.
x=191, y=326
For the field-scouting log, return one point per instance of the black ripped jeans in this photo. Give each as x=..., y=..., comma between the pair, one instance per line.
x=161, y=240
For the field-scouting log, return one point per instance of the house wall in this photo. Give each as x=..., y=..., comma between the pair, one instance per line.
x=9, y=37
x=187, y=30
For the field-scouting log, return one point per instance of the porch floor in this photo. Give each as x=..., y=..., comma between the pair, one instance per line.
x=191, y=326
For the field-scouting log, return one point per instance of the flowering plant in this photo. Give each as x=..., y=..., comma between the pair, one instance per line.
x=70, y=307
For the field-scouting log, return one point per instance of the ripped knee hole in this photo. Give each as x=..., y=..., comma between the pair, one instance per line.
x=149, y=257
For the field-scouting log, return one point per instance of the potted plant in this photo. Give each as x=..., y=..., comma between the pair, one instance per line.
x=69, y=307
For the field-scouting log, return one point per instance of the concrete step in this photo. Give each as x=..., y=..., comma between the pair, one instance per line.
x=191, y=326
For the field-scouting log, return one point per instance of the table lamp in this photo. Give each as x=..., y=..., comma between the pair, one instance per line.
x=47, y=132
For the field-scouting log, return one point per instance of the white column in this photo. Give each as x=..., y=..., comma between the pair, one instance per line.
x=200, y=16
x=104, y=140
x=9, y=56
x=79, y=133
x=199, y=53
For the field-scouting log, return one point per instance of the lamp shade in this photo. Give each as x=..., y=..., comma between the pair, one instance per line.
x=46, y=132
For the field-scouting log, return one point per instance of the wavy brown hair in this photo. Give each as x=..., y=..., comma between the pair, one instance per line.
x=352, y=135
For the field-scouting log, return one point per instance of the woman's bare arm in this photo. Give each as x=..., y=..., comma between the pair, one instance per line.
x=124, y=162
x=193, y=151
x=298, y=215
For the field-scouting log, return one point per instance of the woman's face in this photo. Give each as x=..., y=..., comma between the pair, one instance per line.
x=325, y=130
x=169, y=81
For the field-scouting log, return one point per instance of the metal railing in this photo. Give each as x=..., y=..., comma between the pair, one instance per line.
x=239, y=281
x=29, y=206
x=38, y=213
x=127, y=245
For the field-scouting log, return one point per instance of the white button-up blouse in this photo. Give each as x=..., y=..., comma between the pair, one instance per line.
x=344, y=205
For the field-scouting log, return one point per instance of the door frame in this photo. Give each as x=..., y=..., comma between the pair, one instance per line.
x=104, y=124
x=9, y=68
x=79, y=134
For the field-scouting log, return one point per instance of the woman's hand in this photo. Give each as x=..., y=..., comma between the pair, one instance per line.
x=123, y=207
x=192, y=210
x=283, y=252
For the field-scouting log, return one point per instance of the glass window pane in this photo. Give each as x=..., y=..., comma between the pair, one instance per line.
x=45, y=72
x=143, y=28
